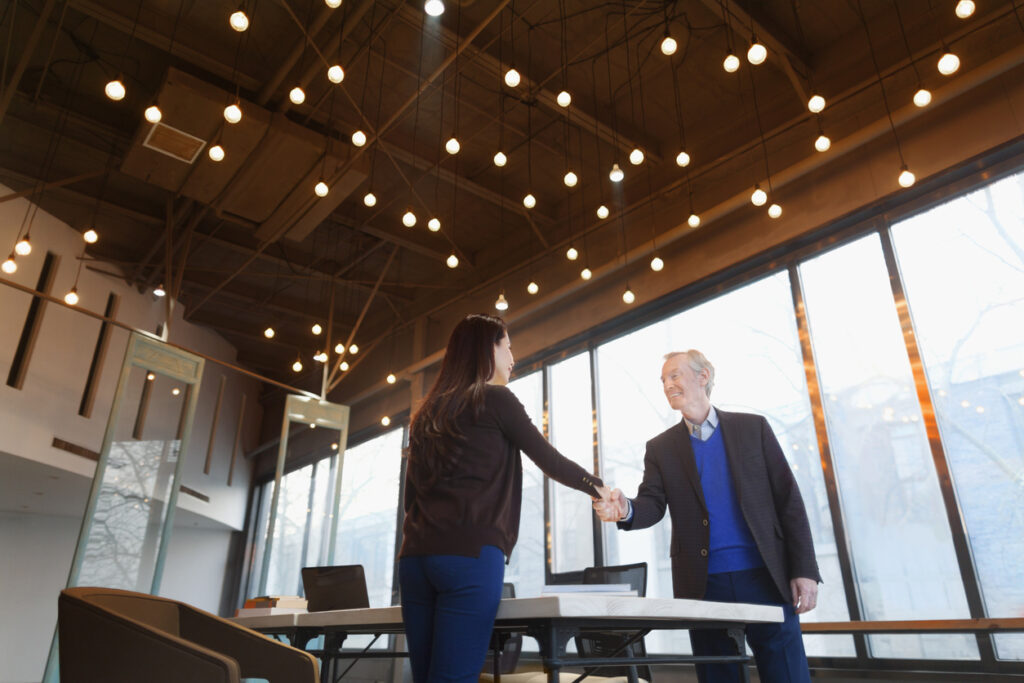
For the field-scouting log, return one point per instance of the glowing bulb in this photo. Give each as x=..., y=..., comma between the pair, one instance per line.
x=160, y=291
x=216, y=153
x=359, y=138
x=232, y=113
x=297, y=365
x=452, y=146
x=512, y=77
x=452, y=261
x=385, y=420
x=529, y=201
x=500, y=159
x=9, y=266
x=408, y=219
x=636, y=157
x=501, y=303
x=321, y=189
x=693, y=221
x=238, y=21
x=153, y=114
x=23, y=247
x=353, y=348
x=339, y=348
x=906, y=178
x=335, y=74
x=115, y=90
x=391, y=379
x=297, y=95
x=668, y=46
x=333, y=4
x=948, y=64
x=822, y=143
x=922, y=98
x=533, y=287
x=657, y=264
x=570, y=179
x=758, y=197
x=964, y=8
x=816, y=104
x=343, y=366
x=602, y=212
x=175, y=391
x=370, y=199
x=757, y=53
x=434, y=8
x=682, y=160
x=628, y=297
x=316, y=329
x=586, y=274
x=320, y=357
x=71, y=298
x=564, y=99
x=90, y=236
x=774, y=211
x=572, y=254
x=434, y=224
x=616, y=175
x=150, y=377
x=731, y=63
x=269, y=333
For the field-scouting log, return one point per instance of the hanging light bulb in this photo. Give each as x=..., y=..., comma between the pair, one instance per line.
x=71, y=298
x=175, y=391
x=774, y=211
x=233, y=113
x=816, y=104
x=297, y=366
x=115, y=90
x=297, y=95
x=758, y=197
x=320, y=356
x=385, y=420
x=452, y=146
x=434, y=224
x=333, y=4
x=616, y=175
x=822, y=143
x=570, y=179
x=628, y=296
x=564, y=99
x=693, y=221
x=906, y=178
x=90, y=236
x=321, y=189
x=500, y=159
x=23, y=247
x=586, y=273
x=216, y=153
x=370, y=199
x=501, y=303
x=682, y=160
x=160, y=291
x=948, y=63
x=391, y=379
x=452, y=261
x=408, y=219
x=153, y=114
x=9, y=266
x=512, y=77
x=343, y=366
x=339, y=348
x=923, y=97
x=657, y=264
x=335, y=74
x=316, y=329
x=572, y=254
x=964, y=8
x=359, y=138
x=533, y=287
x=434, y=8
x=529, y=201
x=602, y=212
x=353, y=348
x=238, y=20
x=757, y=52
x=150, y=376
x=668, y=45
x=636, y=157
x=269, y=333
x=731, y=63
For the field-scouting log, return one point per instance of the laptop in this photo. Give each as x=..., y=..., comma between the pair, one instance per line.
x=330, y=588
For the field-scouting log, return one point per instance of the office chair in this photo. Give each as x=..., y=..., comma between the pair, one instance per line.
x=616, y=643
x=506, y=647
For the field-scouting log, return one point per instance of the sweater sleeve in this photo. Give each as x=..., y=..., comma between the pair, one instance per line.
x=517, y=427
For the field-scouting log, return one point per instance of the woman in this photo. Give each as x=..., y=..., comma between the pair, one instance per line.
x=463, y=493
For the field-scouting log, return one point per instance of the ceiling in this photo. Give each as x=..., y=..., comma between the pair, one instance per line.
x=244, y=243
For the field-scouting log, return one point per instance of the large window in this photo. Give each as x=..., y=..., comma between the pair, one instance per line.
x=526, y=566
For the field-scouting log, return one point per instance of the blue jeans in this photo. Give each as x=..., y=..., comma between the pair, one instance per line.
x=448, y=605
x=778, y=648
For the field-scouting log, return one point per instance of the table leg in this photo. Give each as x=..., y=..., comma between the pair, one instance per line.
x=738, y=635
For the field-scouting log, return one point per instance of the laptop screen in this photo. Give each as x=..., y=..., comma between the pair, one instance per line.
x=330, y=588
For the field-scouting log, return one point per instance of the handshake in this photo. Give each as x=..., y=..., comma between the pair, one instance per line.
x=611, y=506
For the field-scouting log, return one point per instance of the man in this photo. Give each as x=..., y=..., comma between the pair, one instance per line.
x=739, y=527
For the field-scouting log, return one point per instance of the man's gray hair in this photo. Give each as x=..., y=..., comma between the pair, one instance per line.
x=697, y=362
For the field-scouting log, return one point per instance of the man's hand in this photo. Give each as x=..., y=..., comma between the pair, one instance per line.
x=611, y=508
x=805, y=594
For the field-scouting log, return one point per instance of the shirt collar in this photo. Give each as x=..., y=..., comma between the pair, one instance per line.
x=709, y=425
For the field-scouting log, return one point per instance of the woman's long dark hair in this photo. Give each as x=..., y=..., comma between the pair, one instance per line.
x=434, y=437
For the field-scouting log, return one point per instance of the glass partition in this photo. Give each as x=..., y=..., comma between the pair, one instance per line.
x=526, y=566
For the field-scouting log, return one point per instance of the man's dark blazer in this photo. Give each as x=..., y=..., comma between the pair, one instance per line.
x=765, y=489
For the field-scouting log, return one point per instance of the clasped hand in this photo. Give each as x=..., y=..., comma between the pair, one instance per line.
x=611, y=506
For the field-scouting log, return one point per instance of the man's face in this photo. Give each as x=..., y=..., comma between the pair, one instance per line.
x=683, y=387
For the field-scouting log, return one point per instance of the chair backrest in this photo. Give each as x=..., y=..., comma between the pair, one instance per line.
x=633, y=574
x=509, y=658
x=341, y=587
x=607, y=643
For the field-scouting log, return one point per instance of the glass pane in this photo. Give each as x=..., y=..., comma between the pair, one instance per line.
x=902, y=547
x=750, y=336
x=260, y=521
x=320, y=515
x=963, y=269
x=572, y=434
x=526, y=566
x=290, y=527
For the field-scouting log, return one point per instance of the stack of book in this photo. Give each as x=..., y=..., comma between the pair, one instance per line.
x=266, y=605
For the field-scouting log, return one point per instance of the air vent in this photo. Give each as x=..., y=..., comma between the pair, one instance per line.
x=175, y=143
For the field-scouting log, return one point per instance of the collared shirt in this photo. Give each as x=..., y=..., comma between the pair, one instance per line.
x=703, y=431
